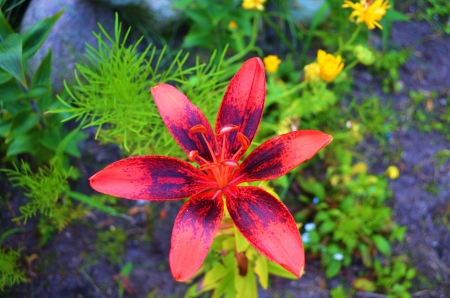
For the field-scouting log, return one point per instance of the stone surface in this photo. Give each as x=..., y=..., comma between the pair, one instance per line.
x=69, y=35
x=305, y=10
x=157, y=13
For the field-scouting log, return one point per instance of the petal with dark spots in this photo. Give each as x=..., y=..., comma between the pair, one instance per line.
x=180, y=115
x=268, y=225
x=277, y=156
x=242, y=105
x=150, y=178
x=193, y=233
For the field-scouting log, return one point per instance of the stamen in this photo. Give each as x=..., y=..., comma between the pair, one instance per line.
x=208, y=166
x=216, y=194
x=193, y=155
x=245, y=142
x=230, y=192
x=235, y=179
x=227, y=128
x=198, y=128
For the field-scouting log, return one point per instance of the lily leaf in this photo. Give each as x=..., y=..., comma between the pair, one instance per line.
x=11, y=57
x=34, y=37
x=5, y=28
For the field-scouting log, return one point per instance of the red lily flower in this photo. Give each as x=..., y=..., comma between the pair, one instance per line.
x=261, y=218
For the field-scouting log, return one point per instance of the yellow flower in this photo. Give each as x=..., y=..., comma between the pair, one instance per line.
x=253, y=4
x=368, y=11
x=312, y=71
x=326, y=68
x=392, y=172
x=232, y=25
x=271, y=63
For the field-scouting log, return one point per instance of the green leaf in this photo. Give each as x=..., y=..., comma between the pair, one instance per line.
x=22, y=144
x=366, y=257
x=363, y=284
x=394, y=15
x=5, y=28
x=314, y=187
x=199, y=17
x=10, y=232
x=410, y=274
x=213, y=277
x=11, y=57
x=126, y=269
x=34, y=37
x=276, y=269
x=327, y=227
x=262, y=270
x=10, y=92
x=241, y=243
x=382, y=244
x=245, y=286
x=333, y=269
x=5, y=125
x=226, y=286
x=42, y=77
x=95, y=204
x=22, y=123
x=4, y=76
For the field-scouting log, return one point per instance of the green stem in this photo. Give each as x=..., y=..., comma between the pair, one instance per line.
x=250, y=46
x=350, y=41
x=300, y=86
x=350, y=66
x=291, y=177
x=279, y=33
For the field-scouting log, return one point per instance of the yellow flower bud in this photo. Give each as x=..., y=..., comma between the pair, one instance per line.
x=232, y=25
x=392, y=172
x=364, y=55
x=271, y=63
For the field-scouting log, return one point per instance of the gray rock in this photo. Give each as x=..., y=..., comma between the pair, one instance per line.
x=69, y=35
x=305, y=10
x=147, y=12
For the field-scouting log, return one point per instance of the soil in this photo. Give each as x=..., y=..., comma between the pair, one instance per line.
x=68, y=266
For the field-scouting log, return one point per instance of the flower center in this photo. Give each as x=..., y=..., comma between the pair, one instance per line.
x=221, y=169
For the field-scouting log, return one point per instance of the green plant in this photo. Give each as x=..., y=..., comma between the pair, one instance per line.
x=112, y=92
x=388, y=63
x=350, y=218
x=10, y=271
x=25, y=128
x=393, y=277
x=436, y=12
x=110, y=244
x=47, y=190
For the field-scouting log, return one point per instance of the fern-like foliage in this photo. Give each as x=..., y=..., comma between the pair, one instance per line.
x=10, y=271
x=46, y=190
x=112, y=92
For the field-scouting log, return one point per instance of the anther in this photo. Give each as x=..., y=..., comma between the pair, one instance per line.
x=192, y=155
x=245, y=142
x=227, y=128
x=198, y=128
x=230, y=163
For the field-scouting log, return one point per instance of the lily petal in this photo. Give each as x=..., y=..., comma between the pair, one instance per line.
x=243, y=105
x=268, y=225
x=279, y=155
x=155, y=178
x=180, y=115
x=193, y=233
